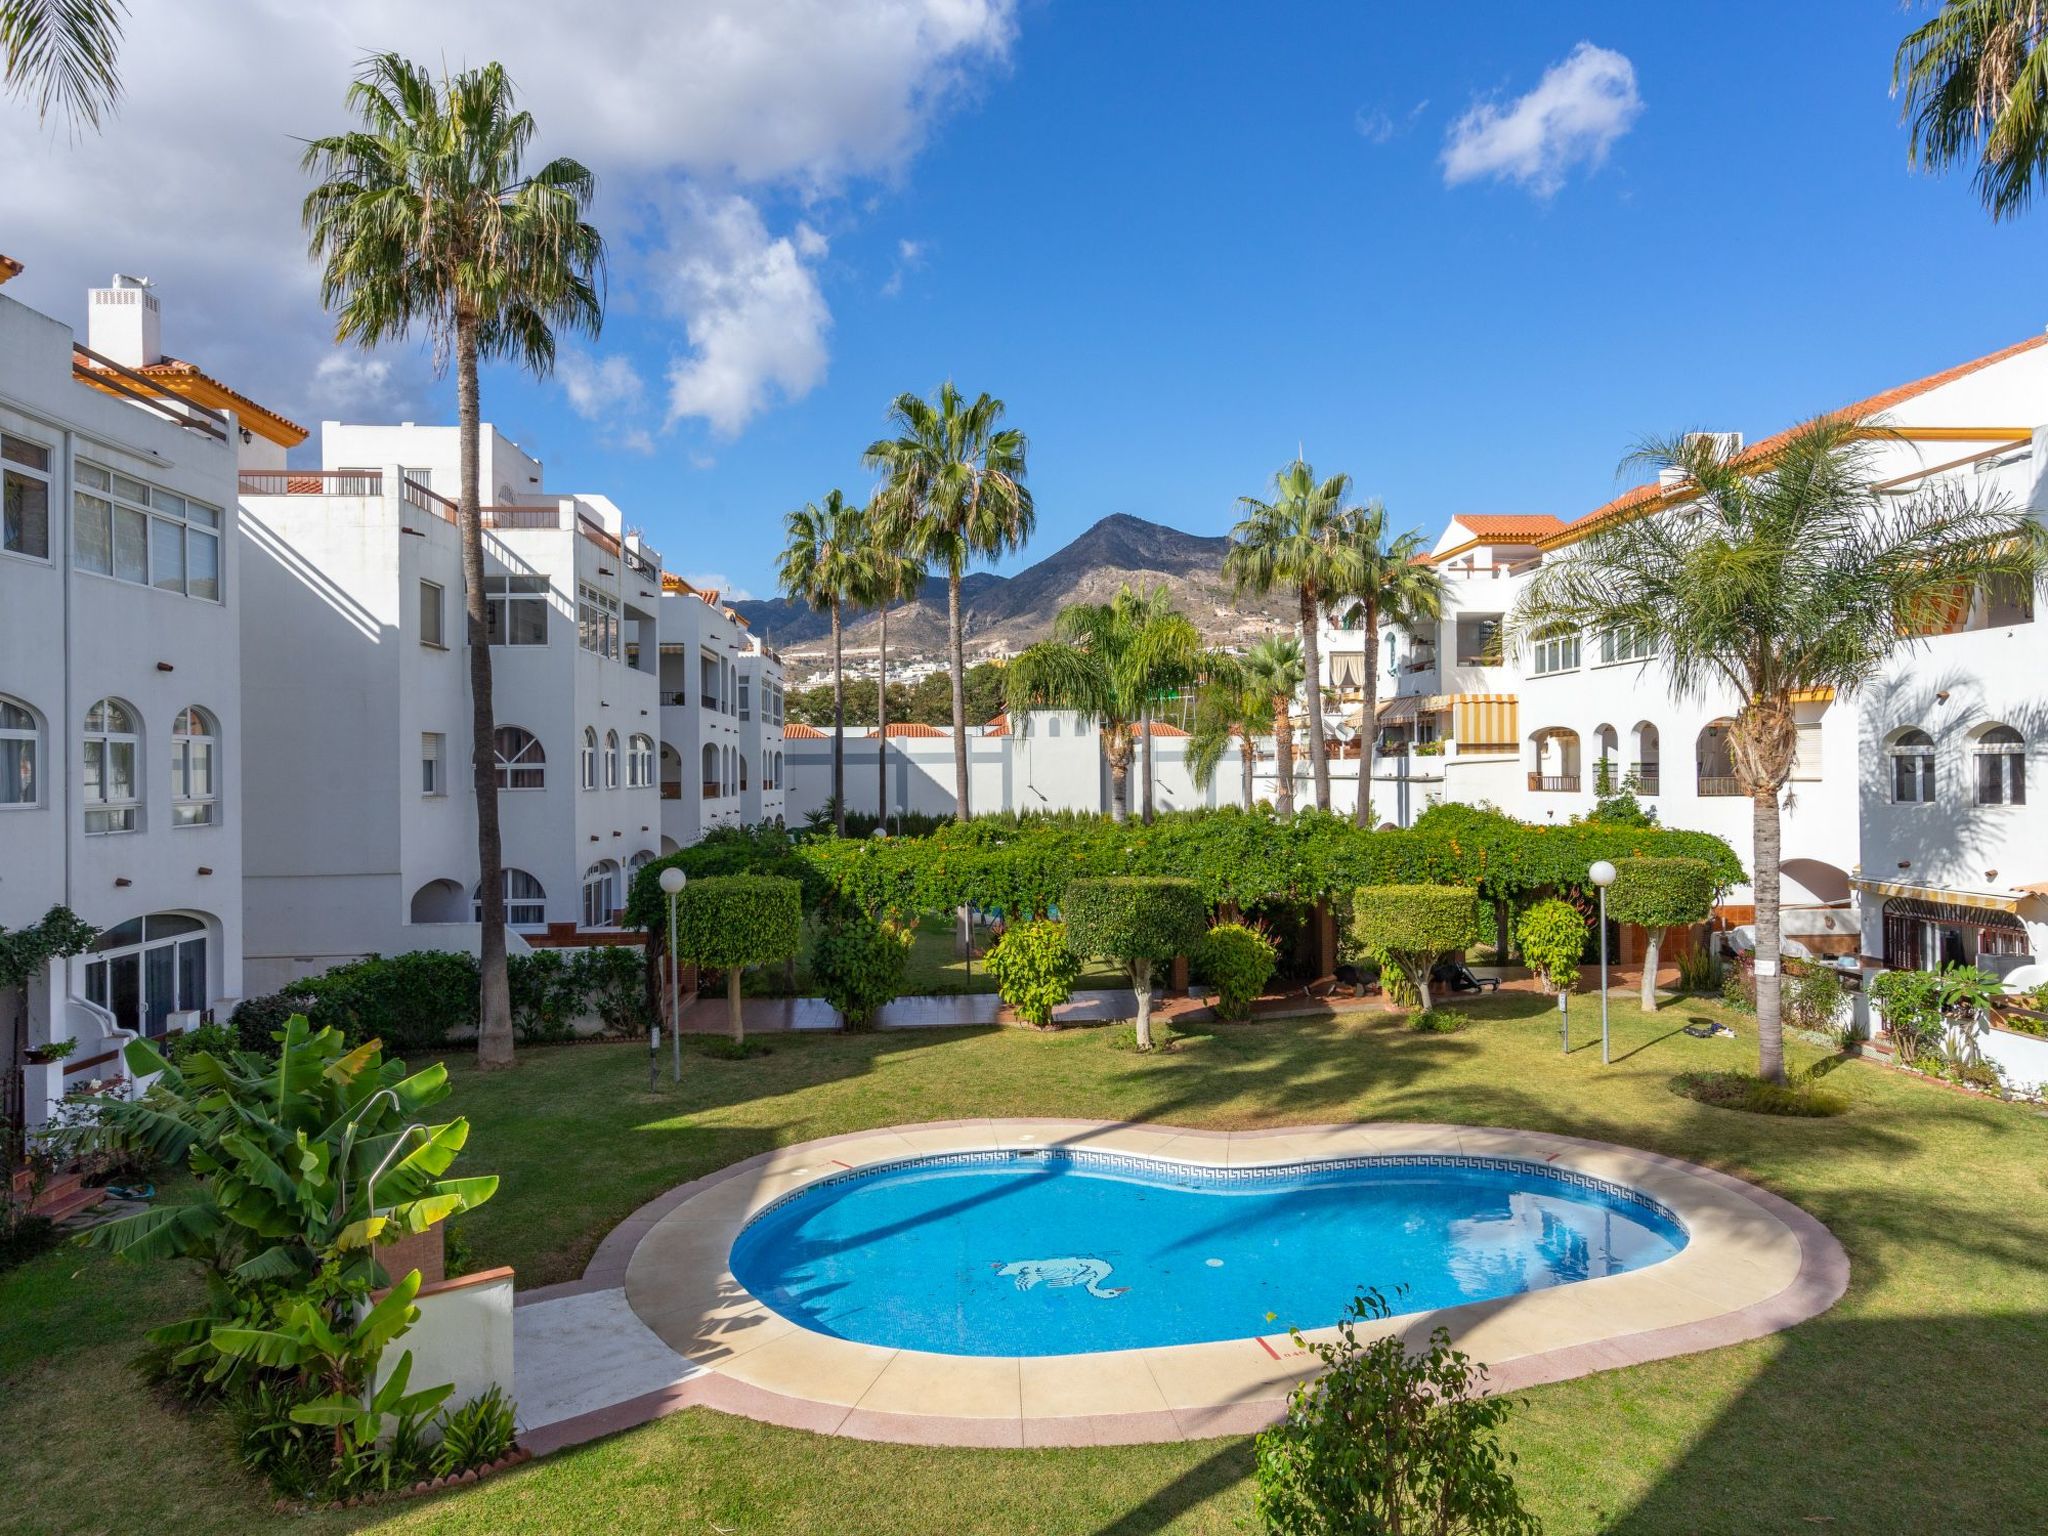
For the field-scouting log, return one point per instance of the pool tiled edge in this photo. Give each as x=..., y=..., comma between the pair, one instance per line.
x=1754, y=1264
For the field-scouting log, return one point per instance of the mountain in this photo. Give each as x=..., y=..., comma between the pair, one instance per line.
x=1006, y=613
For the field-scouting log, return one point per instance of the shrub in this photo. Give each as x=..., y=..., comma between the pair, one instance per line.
x=1384, y=1440
x=857, y=964
x=1138, y=920
x=1552, y=935
x=215, y=1039
x=1697, y=968
x=1738, y=988
x=1813, y=999
x=258, y=1021
x=1034, y=969
x=411, y=1002
x=1238, y=961
x=481, y=1431
x=729, y=922
x=1414, y=926
x=1919, y=1006
x=1660, y=893
x=1801, y=1098
x=545, y=996
x=1437, y=1021
x=609, y=981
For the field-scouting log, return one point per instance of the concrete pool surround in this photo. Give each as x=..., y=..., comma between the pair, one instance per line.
x=1753, y=1264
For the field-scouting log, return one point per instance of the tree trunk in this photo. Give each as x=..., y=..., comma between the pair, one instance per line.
x=1248, y=751
x=732, y=1006
x=1421, y=977
x=1283, y=758
x=1119, y=772
x=494, y=1001
x=1145, y=725
x=959, y=692
x=1770, y=1038
x=1311, y=655
x=1653, y=940
x=1368, y=724
x=882, y=723
x=1141, y=988
x=838, y=730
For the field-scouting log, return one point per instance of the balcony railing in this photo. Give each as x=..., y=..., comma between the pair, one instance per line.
x=676, y=698
x=671, y=790
x=1719, y=784
x=711, y=791
x=1646, y=781
x=312, y=482
x=520, y=517
x=417, y=495
x=1554, y=783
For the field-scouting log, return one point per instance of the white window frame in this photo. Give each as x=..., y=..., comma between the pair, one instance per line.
x=433, y=763
x=1619, y=647
x=434, y=600
x=14, y=737
x=501, y=593
x=586, y=759
x=105, y=496
x=1921, y=754
x=106, y=814
x=2010, y=774
x=1554, y=653
x=17, y=469
x=611, y=759
x=599, y=892
x=598, y=628
x=195, y=755
x=639, y=760
x=526, y=901
x=528, y=760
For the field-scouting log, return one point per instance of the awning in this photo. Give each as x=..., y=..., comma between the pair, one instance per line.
x=1485, y=722
x=1405, y=707
x=1976, y=901
x=1813, y=695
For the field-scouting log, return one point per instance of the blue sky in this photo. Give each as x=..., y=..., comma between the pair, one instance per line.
x=1179, y=239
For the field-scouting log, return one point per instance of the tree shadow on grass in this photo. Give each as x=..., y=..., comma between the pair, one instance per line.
x=1228, y=1465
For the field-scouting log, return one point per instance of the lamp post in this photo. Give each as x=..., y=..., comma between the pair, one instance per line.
x=1602, y=875
x=672, y=882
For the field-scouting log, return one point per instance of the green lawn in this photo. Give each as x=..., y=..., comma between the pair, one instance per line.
x=1920, y=1403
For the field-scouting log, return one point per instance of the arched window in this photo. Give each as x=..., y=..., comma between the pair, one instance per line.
x=195, y=769
x=147, y=968
x=21, y=754
x=710, y=771
x=1649, y=757
x=586, y=761
x=778, y=772
x=526, y=904
x=1912, y=755
x=113, y=742
x=636, y=863
x=743, y=772
x=1557, y=760
x=2001, y=766
x=640, y=761
x=598, y=903
x=521, y=762
x=1714, y=760
x=611, y=759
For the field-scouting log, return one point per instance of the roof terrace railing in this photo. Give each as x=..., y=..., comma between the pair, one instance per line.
x=312, y=482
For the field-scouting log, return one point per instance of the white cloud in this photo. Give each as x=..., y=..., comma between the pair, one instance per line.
x=752, y=309
x=909, y=259
x=351, y=383
x=719, y=582
x=1578, y=109
x=597, y=386
x=196, y=181
x=1374, y=125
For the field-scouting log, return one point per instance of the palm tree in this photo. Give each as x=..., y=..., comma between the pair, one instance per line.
x=1230, y=708
x=1390, y=585
x=63, y=54
x=825, y=564
x=1975, y=78
x=1274, y=667
x=1299, y=539
x=894, y=571
x=425, y=215
x=958, y=474
x=1779, y=574
x=1172, y=662
x=1103, y=661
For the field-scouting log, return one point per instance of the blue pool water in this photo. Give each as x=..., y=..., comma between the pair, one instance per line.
x=1068, y=1252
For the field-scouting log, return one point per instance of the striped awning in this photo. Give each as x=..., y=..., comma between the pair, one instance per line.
x=1813, y=695
x=1405, y=707
x=1975, y=901
x=1483, y=721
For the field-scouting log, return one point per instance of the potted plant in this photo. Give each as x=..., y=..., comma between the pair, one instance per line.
x=51, y=1052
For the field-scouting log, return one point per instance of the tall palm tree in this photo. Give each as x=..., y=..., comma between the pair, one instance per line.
x=958, y=474
x=1103, y=661
x=1300, y=539
x=1170, y=663
x=1274, y=667
x=1975, y=78
x=1231, y=708
x=825, y=564
x=1780, y=573
x=1390, y=585
x=63, y=55
x=426, y=215
x=893, y=571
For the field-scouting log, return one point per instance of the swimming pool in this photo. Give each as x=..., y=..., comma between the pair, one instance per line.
x=1056, y=1251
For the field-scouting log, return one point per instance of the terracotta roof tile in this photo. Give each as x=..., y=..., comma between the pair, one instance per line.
x=9, y=267
x=914, y=728
x=1507, y=525
x=796, y=730
x=1000, y=726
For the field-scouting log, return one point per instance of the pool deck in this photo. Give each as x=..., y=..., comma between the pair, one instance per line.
x=658, y=1322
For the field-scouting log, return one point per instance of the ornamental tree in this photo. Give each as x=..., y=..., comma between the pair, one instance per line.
x=1138, y=921
x=1656, y=894
x=1414, y=926
x=1552, y=938
x=729, y=922
x=1035, y=969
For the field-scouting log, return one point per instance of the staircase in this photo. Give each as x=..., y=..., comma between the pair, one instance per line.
x=63, y=1195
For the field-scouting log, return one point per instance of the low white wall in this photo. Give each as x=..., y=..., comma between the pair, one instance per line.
x=2022, y=1058
x=464, y=1335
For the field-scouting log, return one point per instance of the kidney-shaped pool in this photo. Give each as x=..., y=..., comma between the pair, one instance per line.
x=1065, y=1252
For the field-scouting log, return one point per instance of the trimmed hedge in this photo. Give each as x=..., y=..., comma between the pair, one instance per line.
x=857, y=965
x=1552, y=939
x=1238, y=961
x=1139, y=920
x=1414, y=926
x=728, y=922
x=1655, y=894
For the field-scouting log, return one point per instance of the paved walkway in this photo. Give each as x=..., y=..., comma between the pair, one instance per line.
x=575, y=1355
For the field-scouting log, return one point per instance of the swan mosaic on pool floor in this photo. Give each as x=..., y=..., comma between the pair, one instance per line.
x=1065, y=1282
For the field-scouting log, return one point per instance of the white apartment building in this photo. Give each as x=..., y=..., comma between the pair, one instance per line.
x=722, y=754
x=121, y=721
x=359, y=802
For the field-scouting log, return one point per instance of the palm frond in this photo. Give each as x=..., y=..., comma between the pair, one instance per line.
x=64, y=56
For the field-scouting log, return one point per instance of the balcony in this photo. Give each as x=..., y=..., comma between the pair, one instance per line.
x=311, y=482
x=1554, y=783
x=675, y=699
x=711, y=791
x=1646, y=780
x=520, y=517
x=1719, y=785
x=671, y=790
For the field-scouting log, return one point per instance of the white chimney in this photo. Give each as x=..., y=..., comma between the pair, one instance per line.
x=125, y=322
